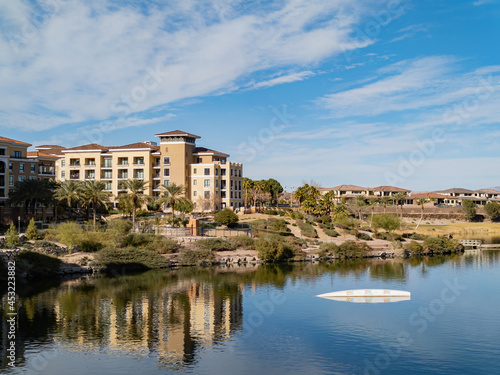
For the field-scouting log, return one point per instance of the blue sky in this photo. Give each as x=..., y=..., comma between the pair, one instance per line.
x=372, y=93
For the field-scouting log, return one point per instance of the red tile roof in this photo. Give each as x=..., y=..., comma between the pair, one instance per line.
x=428, y=195
x=199, y=150
x=177, y=133
x=135, y=145
x=14, y=141
x=44, y=147
x=90, y=146
x=345, y=188
x=34, y=154
x=390, y=188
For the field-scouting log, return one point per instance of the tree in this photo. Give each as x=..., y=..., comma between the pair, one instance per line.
x=226, y=217
x=386, y=221
x=469, y=209
x=421, y=202
x=247, y=187
x=492, y=210
x=136, y=195
x=275, y=189
x=384, y=201
x=360, y=203
x=69, y=192
x=32, y=230
x=94, y=194
x=173, y=194
x=372, y=202
x=11, y=236
x=399, y=198
x=32, y=192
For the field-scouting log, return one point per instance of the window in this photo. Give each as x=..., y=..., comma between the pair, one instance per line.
x=63, y=174
x=21, y=168
x=223, y=172
x=107, y=163
x=166, y=172
x=217, y=184
x=166, y=160
x=231, y=172
x=122, y=161
x=90, y=161
x=2, y=151
x=17, y=154
x=139, y=161
x=32, y=168
x=166, y=182
x=10, y=167
x=206, y=172
x=194, y=182
x=199, y=160
x=107, y=175
x=21, y=178
x=206, y=183
x=207, y=195
x=123, y=174
x=108, y=185
x=74, y=162
x=216, y=172
x=90, y=175
x=195, y=171
x=11, y=180
x=239, y=173
x=195, y=193
x=239, y=185
x=139, y=173
x=63, y=163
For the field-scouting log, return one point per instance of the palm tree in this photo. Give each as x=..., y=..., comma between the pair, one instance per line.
x=247, y=185
x=173, y=194
x=400, y=199
x=372, y=202
x=384, y=201
x=421, y=202
x=31, y=192
x=94, y=194
x=360, y=203
x=68, y=191
x=136, y=195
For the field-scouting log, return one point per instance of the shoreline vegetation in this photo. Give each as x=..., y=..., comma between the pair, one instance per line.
x=280, y=236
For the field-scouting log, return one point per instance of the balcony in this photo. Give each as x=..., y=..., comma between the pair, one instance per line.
x=74, y=165
x=48, y=171
x=123, y=176
x=74, y=176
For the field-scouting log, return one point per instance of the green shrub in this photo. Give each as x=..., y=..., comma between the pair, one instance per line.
x=353, y=249
x=32, y=230
x=281, y=213
x=43, y=244
x=226, y=217
x=493, y=210
x=364, y=236
x=243, y=242
x=90, y=246
x=388, y=236
x=329, y=247
x=297, y=215
x=386, y=221
x=279, y=226
x=37, y=264
x=440, y=244
x=270, y=212
x=414, y=247
x=11, y=237
x=307, y=229
x=274, y=249
x=190, y=257
x=69, y=234
x=331, y=232
x=130, y=259
x=120, y=226
x=149, y=241
x=214, y=244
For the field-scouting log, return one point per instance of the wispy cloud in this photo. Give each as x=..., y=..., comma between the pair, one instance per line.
x=288, y=78
x=482, y=2
x=430, y=82
x=88, y=58
x=409, y=31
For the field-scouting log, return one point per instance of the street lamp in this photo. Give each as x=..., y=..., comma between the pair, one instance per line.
x=19, y=224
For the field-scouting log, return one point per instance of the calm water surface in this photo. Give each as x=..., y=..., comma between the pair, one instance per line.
x=266, y=320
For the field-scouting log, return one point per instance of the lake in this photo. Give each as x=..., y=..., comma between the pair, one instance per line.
x=265, y=320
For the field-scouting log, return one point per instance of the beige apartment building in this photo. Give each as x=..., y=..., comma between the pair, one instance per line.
x=212, y=182
x=17, y=164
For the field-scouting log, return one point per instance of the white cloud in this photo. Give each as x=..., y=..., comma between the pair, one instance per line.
x=482, y=2
x=432, y=83
x=85, y=58
x=288, y=78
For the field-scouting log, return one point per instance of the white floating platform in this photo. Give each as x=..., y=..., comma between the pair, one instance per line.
x=366, y=293
x=368, y=299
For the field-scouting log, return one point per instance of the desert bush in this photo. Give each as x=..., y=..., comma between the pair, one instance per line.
x=364, y=236
x=353, y=249
x=307, y=229
x=270, y=212
x=149, y=241
x=119, y=226
x=296, y=215
x=415, y=236
x=214, y=244
x=226, y=217
x=440, y=244
x=274, y=249
x=493, y=210
x=11, y=237
x=243, y=242
x=414, y=247
x=329, y=247
x=130, y=259
x=388, y=236
x=386, y=221
x=191, y=257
